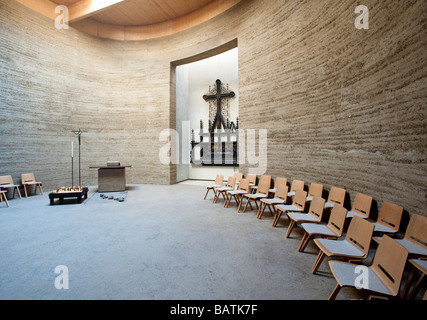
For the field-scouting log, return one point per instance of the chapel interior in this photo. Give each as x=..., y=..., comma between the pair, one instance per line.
x=127, y=127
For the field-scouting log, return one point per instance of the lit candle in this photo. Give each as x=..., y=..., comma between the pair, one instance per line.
x=72, y=149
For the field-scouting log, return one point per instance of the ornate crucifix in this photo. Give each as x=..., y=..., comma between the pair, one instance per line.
x=219, y=120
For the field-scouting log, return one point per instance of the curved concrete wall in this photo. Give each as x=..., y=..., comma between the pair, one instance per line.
x=343, y=107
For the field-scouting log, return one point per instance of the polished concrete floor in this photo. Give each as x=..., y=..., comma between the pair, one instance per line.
x=162, y=243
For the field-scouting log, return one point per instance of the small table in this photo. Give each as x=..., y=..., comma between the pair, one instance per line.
x=68, y=194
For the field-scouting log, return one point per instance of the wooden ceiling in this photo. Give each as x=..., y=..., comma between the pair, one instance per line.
x=134, y=19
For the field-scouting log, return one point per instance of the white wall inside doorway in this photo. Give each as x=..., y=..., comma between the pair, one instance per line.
x=192, y=82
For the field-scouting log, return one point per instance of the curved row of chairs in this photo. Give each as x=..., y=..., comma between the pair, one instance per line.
x=27, y=180
x=337, y=232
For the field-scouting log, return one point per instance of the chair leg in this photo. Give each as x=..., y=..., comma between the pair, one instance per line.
x=318, y=261
x=290, y=228
x=244, y=209
x=277, y=217
x=304, y=241
x=227, y=202
x=25, y=189
x=269, y=208
x=207, y=191
x=240, y=204
x=261, y=210
x=40, y=187
x=19, y=192
x=226, y=199
x=3, y=196
x=335, y=292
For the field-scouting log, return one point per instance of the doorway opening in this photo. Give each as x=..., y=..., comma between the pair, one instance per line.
x=193, y=80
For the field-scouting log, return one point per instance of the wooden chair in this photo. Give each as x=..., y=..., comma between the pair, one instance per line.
x=415, y=238
x=3, y=196
x=315, y=190
x=384, y=275
x=252, y=182
x=280, y=197
x=231, y=181
x=361, y=206
x=296, y=185
x=355, y=246
x=239, y=177
x=298, y=205
x=332, y=230
x=389, y=218
x=218, y=183
x=336, y=196
x=278, y=181
x=238, y=194
x=314, y=215
x=28, y=179
x=6, y=182
x=418, y=266
x=263, y=187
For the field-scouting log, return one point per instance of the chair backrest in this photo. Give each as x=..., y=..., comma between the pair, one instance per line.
x=297, y=185
x=389, y=263
x=28, y=177
x=300, y=198
x=280, y=181
x=281, y=192
x=362, y=204
x=316, y=208
x=337, y=219
x=219, y=179
x=6, y=180
x=316, y=189
x=390, y=215
x=336, y=196
x=244, y=185
x=231, y=182
x=251, y=178
x=417, y=230
x=264, y=184
x=238, y=176
x=359, y=234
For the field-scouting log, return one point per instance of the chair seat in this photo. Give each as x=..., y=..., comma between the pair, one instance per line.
x=288, y=207
x=340, y=247
x=329, y=205
x=31, y=182
x=213, y=186
x=382, y=228
x=290, y=194
x=256, y=195
x=234, y=192
x=413, y=248
x=273, y=201
x=9, y=186
x=272, y=190
x=224, y=189
x=351, y=214
x=347, y=275
x=299, y=216
x=314, y=228
x=409, y=245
